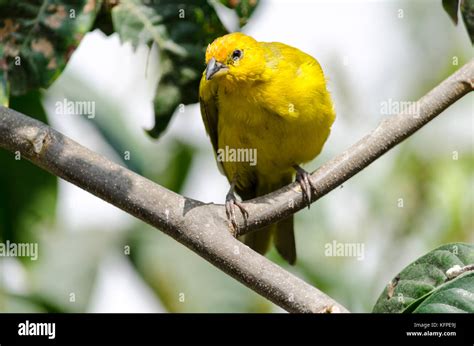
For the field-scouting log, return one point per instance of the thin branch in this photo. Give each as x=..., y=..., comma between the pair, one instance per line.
x=280, y=204
x=194, y=224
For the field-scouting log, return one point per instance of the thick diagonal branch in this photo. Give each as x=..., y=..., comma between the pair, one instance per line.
x=201, y=227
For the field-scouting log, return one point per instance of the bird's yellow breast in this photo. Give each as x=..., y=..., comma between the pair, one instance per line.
x=280, y=141
x=285, y=116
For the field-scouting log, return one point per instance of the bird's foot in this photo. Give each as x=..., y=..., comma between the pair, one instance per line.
x=230, y=204
x=302, y=177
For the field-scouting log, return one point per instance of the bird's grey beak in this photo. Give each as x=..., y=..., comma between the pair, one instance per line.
x=213, y=67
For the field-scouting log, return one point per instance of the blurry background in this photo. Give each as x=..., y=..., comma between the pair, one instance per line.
x=95, y=258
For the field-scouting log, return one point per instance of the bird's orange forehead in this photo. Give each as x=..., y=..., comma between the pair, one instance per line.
x=223, y=46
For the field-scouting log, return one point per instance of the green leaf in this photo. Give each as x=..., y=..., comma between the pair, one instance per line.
x=181, y=30
x=451, y=7
x=419, y=279
x=467, y=12
x=37, y=39
x=453, y=297
x=28, y=193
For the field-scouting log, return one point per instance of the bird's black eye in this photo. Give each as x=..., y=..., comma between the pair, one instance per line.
x=237, y=54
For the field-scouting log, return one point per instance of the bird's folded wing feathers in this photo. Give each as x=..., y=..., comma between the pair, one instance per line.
x=210, y=114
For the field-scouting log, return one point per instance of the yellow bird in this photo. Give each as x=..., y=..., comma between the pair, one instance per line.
x=270, y=100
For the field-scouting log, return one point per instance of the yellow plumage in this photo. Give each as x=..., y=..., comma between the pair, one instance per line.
x=270, y=97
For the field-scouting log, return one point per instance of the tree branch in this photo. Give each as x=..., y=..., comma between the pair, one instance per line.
x=391, y=131
x=203, y=227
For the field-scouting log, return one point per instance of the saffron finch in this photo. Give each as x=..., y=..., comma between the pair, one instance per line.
x=270, y=98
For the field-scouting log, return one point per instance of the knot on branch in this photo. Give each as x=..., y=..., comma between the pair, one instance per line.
x=37, y=137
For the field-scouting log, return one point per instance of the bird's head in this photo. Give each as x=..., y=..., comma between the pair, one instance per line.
x=234, y=57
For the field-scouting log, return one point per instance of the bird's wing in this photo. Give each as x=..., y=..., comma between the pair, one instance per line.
x=209, y=110
x=210, y=113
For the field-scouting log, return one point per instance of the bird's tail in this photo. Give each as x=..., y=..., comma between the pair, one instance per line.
x=260, y=240
x=284, y=239
x=282, y=232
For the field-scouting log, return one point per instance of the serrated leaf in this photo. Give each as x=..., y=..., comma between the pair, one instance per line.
x=37, y=39
x=453, y=297
x=423, y=276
